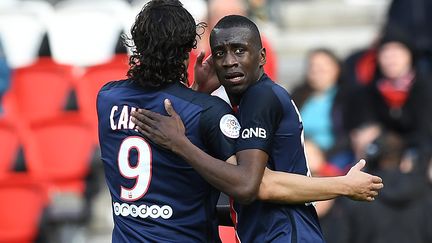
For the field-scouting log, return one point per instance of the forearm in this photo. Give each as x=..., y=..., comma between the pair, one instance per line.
x=282, y=187
x=237, y=181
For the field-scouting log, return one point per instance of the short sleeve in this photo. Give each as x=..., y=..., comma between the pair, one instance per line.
x=219, y=129
x=260, y=113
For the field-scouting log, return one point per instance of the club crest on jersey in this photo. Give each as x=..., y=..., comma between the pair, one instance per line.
x=230, y=126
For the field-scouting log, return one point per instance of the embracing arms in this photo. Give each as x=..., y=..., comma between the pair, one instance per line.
x=250, y=179
x=239, y=181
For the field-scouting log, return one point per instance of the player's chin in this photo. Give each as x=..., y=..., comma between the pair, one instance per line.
x=235, y=89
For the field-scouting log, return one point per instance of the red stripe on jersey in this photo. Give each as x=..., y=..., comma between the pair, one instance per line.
x=234, y=218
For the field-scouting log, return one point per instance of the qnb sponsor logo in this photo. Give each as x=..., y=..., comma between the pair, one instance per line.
x=142, y=211
x=257, y=132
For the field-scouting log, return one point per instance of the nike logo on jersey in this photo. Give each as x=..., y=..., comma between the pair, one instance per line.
x=256, y=132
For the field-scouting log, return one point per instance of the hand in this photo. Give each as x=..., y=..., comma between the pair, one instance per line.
x=362, y=186
x=166, y=131
x=205, y=79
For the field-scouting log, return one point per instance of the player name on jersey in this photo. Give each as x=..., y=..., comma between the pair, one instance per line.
x=124, y=121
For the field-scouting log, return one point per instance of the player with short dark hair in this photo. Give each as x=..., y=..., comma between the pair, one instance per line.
x=271, y=135
x=156, y=195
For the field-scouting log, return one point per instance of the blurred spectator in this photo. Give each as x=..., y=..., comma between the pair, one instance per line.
x=413, y=18
x=333, y=220
x=399, y=98
x=398, y=213
x=331, y=212
x=5, y=74
x=258, y=9
x=360, y=67
x=362, y=137
x=319, y=99
x=358, y=143
x=404, y=17
x=317, y=161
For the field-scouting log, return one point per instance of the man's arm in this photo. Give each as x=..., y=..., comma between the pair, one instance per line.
x=240, y=181
x=281, y=187
x=245, y=181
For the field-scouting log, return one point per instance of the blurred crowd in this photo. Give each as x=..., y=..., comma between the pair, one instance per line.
x=375, y=103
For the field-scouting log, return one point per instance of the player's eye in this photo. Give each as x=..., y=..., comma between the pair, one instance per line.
x=239, y=51
x=218, y=53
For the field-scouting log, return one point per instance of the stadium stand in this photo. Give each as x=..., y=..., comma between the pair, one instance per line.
x=75, y=34
x=8, y=4
x=16, y=29
x=60, y=153
x=93, y=79
x=22, y=203
x=38, y=91
x=39, y=9
x=9, y=144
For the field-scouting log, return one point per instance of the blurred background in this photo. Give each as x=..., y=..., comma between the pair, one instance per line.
x=358, y=70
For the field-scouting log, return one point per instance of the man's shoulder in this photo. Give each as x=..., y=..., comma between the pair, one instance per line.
x=214, y=101
x=119, y=91
x=116, y=84
x=205, y=101
x=265, y=86
x=264, y=92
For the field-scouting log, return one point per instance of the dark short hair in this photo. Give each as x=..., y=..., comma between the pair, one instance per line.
x=163, y=35
x=231, y=21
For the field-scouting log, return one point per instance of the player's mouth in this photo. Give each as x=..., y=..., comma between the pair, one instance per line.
x=234, y=77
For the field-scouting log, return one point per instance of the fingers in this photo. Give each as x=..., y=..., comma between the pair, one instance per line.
x=200, y=58
x=358, y=167
x=142, y=127
x=169, y=109
x=370, y=199
x=373, y=193
x=141, y=117
x=377, y=186
x=146, y=113
x=361, y=164
x=209, y=60
x=376, y=179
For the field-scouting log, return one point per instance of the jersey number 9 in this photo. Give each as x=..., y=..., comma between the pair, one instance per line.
x=141, y=172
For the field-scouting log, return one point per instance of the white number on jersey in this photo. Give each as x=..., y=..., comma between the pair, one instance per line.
x=141, y=172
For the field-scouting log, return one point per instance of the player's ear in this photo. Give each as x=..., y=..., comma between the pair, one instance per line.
x=263, y=59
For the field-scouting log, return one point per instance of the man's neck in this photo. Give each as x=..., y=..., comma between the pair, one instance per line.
x=236, y=98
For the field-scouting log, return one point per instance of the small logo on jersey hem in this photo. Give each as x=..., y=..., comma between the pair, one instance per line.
x=142, y=211
x=230, y=126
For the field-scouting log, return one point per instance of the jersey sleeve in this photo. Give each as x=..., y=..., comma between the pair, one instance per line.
x=260, y=113
x=219, y=129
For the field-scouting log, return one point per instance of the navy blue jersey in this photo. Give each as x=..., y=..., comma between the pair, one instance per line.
x=270, y=122
x=156, y=195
